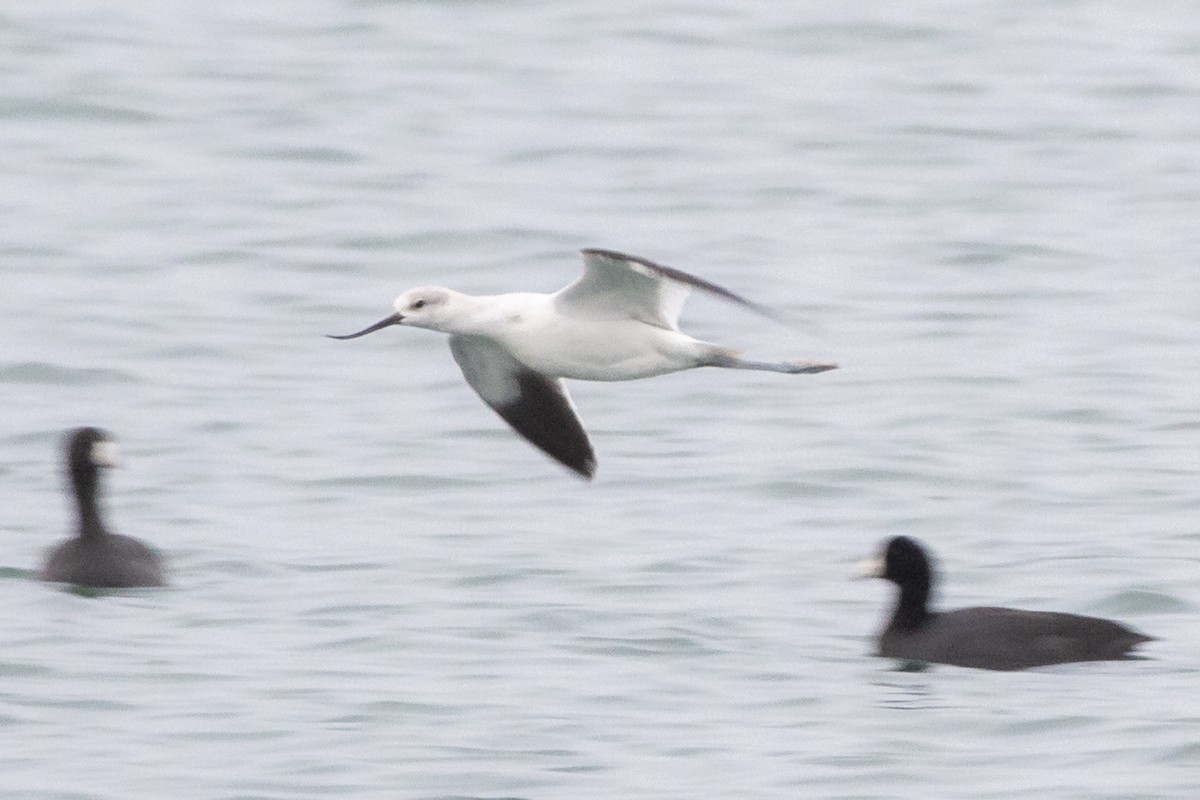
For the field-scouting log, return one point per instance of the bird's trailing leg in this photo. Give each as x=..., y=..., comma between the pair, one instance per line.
x=729, y=359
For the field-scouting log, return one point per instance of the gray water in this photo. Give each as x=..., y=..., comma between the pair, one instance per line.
x=987, y=213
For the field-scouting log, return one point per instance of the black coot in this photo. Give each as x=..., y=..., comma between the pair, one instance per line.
x=95, y=557
x=985, y=637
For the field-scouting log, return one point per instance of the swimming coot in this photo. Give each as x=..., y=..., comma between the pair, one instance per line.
x=95, y=557
x=984, y=637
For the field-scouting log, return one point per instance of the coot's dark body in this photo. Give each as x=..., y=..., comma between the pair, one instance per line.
x=95, y=557
x=986, y=637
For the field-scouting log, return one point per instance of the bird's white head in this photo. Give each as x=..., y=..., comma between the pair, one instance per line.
x=427, y=307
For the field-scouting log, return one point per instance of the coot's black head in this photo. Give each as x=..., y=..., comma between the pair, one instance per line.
x=903, y=561
x=89, y=448
x=906, y=562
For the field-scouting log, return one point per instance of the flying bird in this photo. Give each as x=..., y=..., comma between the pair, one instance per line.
x=619, y=321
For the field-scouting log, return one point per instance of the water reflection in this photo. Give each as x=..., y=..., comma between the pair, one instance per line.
x=907, y=686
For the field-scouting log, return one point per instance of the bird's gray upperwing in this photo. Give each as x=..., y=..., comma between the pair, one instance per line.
x=620, y=285
x=536, y=406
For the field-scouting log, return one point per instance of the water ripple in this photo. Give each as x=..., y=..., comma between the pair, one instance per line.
x=40, y=372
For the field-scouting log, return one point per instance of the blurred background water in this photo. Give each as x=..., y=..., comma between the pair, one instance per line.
x=986, y=212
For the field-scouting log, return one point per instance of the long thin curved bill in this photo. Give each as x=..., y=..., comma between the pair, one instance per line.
x=394, y=319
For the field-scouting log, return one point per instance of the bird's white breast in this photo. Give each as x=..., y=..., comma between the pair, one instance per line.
x=609, y=350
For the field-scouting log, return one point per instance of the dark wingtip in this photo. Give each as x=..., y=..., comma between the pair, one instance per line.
x=586, y=470
x=582, y=464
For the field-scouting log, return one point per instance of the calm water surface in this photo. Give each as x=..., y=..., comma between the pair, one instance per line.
x=986, y=213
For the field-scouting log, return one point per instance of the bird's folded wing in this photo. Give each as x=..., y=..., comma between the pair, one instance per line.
x=536, y=406
x=616, y=285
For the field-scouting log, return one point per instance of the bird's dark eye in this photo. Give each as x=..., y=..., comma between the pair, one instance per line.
x=419, y=304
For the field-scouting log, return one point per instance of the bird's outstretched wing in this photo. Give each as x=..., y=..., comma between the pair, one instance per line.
x=536, y=406
x=619, y=286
